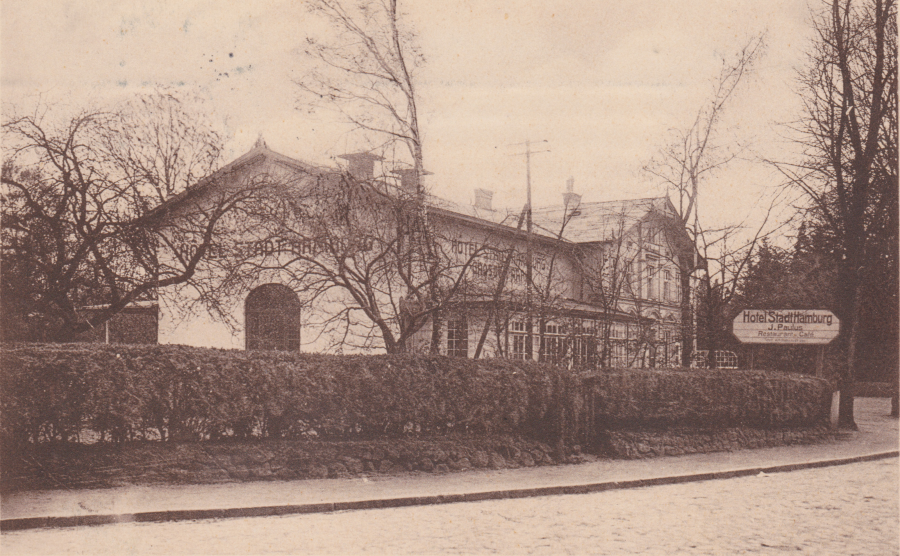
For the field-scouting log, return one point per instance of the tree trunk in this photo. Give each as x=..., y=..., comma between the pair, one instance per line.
x=850, y=295
x=391, y=345
x=437, y=328
x=687, y=318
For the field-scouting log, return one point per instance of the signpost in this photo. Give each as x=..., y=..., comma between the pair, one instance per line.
x=788, y=326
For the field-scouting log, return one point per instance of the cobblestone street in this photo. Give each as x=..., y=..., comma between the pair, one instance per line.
x=849, y=509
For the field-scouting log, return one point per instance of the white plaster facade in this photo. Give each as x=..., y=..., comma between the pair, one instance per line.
x=605, y=281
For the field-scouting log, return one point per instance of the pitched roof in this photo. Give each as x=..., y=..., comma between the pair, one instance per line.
x=498, y=217
x=585, y=223
x=596, y=222
x=259, y=153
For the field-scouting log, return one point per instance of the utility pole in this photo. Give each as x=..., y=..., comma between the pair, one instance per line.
x=529, y=266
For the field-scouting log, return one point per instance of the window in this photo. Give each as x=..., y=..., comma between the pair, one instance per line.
x=554, y=344
x=667, y=286
x=668, y=336
x=634, y=331
x=584, y=343
x=457, y=337
x=634, y=278
x=652, y=279
x=619, y=355
x=650, y=356
x=517, y=336
x=272, y=318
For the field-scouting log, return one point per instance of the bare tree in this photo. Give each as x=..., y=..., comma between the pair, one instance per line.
x=693, y=157
x=80, y=221
x=548, y=286
x=365, y=70
x=848, y=136
x=729, y=252
x=348, y=246
x=605, y=271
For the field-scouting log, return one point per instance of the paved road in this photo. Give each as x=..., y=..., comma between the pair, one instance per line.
x=850, y=509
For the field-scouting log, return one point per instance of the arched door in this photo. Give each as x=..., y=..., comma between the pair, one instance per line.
x=272, y=318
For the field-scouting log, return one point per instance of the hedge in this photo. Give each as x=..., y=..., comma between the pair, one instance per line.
x=113, y=393
x=94, y=392
x=708, y=399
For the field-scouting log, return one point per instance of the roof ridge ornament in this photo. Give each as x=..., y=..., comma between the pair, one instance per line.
x=260, y=143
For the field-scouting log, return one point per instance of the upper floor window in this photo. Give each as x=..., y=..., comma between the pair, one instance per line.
x=618, y=331
x=668, y=293
x=652, y=278
x=633, y=278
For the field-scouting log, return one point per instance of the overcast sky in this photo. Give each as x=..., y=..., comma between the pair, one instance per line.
x=602, y=81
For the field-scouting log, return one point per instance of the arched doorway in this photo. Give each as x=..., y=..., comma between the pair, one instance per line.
x=272, y=318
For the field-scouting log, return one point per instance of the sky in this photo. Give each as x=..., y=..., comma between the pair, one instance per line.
x=604, y=83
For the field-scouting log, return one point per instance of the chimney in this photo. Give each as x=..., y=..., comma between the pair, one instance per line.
x=483, y=199
x=362, y=165
x=408, y=178
x=570, y=199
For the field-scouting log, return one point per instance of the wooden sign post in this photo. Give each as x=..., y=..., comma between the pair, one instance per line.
x=789, y=326
x=786, y=326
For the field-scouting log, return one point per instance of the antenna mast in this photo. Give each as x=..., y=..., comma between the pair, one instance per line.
x=529, y=257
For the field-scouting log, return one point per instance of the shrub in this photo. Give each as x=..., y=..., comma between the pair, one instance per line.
x=90, y=392
x=709, y=399
x=113, y=393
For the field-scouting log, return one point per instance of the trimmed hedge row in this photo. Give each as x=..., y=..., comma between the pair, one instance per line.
x=708, y=399
x=91, y=392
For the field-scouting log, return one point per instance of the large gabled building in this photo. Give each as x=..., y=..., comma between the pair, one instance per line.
x=581, y=283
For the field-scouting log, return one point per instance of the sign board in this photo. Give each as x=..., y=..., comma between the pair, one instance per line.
x=786, y=326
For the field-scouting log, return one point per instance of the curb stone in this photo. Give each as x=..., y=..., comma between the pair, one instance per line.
x=20, y=524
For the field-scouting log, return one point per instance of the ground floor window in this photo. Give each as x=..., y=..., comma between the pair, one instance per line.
x=517, y=338
x=272, y=314
x=554, y=344
x=670, y=346
x=584, y=342
x=577, y=342
x=619, y=357
x=457, y=337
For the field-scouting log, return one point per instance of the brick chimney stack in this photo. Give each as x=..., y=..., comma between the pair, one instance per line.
x=362, y=165
x=408, y=179
x=483, y=199
x=571, y=199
